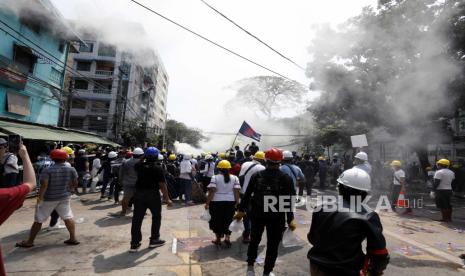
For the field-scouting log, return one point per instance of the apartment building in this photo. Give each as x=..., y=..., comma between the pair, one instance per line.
x=110, y=87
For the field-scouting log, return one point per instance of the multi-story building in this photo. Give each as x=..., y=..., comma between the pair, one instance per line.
x=110, y=87
x=34, y=45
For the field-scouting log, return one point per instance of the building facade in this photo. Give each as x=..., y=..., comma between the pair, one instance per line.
x=110, y=88
x=34, y=46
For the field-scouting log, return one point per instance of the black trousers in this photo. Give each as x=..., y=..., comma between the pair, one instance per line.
x=274, y=233
x=307, y=185
x=222, y=213
x=143, y=200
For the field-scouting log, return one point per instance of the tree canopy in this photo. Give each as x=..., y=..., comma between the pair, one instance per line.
x=177, y=131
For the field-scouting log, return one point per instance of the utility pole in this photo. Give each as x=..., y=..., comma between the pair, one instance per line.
x=67, y=119
x=116, y=119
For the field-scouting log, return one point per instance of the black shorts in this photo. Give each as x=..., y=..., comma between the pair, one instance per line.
x=443, y=199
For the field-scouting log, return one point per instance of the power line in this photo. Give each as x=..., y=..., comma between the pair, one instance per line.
x=254, y=36
x=210, y=41
x=269, y=135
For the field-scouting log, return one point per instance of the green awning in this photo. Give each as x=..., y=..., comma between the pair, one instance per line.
x=39, y=132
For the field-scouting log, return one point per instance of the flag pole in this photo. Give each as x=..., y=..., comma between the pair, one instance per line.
x=237, y=134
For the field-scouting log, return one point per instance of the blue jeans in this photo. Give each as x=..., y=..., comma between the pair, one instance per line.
x=83, y=183
x=186, y=187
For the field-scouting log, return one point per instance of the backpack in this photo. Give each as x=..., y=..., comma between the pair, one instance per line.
x=265, y=186
x=242, y=177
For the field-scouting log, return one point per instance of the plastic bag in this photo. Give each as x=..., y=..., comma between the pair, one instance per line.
x=290, y=239
x=236, y=226
x=206, y=216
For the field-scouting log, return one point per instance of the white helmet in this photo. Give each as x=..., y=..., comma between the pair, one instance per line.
x=187, y=156
x=208, y=157
x=112, y=154
x=138, y=151
x=336, y=154
x=160, y=157
x=362, y=156
x=355, y=178
x=287, y=155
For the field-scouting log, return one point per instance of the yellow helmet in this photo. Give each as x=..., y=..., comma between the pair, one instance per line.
x=224, y=164
x=163, y=151
x=260, y=155
x=68, y=150
x=428, y=168
x=321, y=158
x=396, y=163
x=222, y=155
x=203, y=154
x=172, y=157
x=444, y=162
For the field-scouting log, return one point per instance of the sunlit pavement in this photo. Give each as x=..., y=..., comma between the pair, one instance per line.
x=417, y=244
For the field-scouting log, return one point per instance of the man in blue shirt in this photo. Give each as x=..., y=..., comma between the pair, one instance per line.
x=290, y=169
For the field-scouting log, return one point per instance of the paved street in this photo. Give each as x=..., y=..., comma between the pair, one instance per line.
x=418, y=245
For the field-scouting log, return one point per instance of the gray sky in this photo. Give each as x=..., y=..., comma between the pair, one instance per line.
x=200, y=72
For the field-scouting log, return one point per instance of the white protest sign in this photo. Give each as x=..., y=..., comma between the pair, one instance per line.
x=359, y=141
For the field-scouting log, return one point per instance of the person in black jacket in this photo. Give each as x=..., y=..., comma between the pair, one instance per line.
x=263, y=185
x=337, y=236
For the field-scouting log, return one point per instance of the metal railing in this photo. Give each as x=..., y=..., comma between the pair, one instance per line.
x=101, y=91
x=104, y=73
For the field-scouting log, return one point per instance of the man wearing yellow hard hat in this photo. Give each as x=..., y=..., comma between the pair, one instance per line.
x=398, y=184
x=442, y=189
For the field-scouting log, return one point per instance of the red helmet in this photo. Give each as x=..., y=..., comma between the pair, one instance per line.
x=274, y=155
x=58, y=154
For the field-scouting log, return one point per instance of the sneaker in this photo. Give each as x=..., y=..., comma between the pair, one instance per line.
x=156, y=243
x=269, y=274
x=55, y=227
x=250, y=271
x=134, y=247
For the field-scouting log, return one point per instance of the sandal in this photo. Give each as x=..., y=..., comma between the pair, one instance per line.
x=70, y=242
x=23, y=244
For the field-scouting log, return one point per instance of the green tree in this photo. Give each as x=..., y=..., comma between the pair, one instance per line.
x=177, y=131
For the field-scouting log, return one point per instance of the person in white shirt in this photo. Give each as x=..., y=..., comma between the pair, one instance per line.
x=96, y=164
x=361, y=162
x=186, y=176
x=442, y=188
x=398, y=184
x=223, y=196
x=247, y=170
x=208, y=171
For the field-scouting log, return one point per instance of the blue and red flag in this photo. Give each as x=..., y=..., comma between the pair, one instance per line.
x=248, y=131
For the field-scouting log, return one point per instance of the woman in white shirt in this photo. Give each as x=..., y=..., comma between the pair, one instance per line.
x=223, y=195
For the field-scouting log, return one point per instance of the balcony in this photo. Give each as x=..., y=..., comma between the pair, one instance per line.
x=91, y=95
x=104, y=73
x=99, y=110
x=101, y=91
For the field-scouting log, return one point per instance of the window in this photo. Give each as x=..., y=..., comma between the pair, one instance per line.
x=86, y=48
x=100, y=107
x=55, y=76
x=78, y=104
x=18, y=104
x=61, y=46
x=76, y=122
x=97, y=123
x=24, y=57
x=81, y=84
x=83, y=65
x=32, y=25
x=107, y=50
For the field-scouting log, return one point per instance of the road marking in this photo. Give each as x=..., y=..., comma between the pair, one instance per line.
x=427, y=248
x=174, y=246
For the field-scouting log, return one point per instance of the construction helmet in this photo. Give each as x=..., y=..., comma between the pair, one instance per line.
x=172, y=157
x=355, y=178
x=68, y=150
x=152, y=152
x=160, y=157
x=112, y=155
x=259, y=155
x=428, y=168
x=362, y=156
x=274, y=155
x=163, y=151
x=321, y=158
x=396, y=163
x=203, y=154
x=187, y=156
x=443, y=162
x=224, y=164
x=222, y=155
x=138, y=152
x=335, y=154
x=58, y=154
x=208, y=157
x=287, y=155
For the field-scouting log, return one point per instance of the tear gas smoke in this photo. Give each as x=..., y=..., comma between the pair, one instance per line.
x=184, y=148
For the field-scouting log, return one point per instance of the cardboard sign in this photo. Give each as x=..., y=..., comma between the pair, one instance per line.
x=359, y=141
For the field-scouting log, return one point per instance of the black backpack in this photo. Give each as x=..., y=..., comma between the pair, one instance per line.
x=265, y=186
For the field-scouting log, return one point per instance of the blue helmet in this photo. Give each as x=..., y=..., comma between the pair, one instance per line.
x=152, y=152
